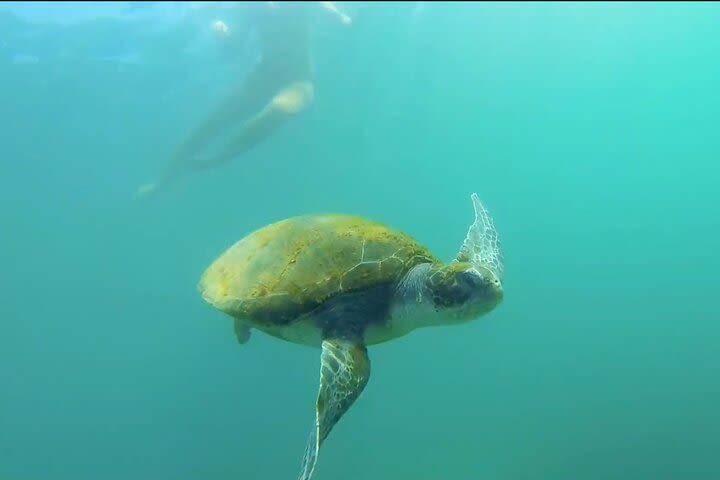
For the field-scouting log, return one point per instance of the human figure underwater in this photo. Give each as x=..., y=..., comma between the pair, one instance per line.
x=278, y=87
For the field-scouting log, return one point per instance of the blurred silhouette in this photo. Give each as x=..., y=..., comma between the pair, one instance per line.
x=278, y=87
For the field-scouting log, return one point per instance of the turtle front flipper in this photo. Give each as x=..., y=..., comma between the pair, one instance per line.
x=482, y=247
x=344, y=372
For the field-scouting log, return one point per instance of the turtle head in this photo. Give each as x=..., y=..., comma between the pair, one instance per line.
x=436, y=294
x=461, y=291
x=471, y=285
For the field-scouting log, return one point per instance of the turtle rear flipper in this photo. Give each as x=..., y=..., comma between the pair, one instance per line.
x=242, y=332
x=344, y=372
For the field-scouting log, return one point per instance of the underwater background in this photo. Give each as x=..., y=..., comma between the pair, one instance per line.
x=589, y=130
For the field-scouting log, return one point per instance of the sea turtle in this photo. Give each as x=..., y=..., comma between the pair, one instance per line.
x=341, y=283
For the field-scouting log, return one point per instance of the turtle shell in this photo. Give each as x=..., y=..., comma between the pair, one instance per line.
x=287, y=269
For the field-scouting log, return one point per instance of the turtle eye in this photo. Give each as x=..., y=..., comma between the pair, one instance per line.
x=469, y=280
x=465, y=283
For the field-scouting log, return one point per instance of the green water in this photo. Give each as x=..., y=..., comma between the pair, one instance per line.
x=589, y=130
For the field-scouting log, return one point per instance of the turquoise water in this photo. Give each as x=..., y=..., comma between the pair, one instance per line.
x=589, y=130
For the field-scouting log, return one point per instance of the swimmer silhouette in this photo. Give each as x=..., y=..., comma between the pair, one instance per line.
x=279, y=86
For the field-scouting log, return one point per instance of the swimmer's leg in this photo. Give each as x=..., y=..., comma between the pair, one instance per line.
x=236, y=108
x=287, y=103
